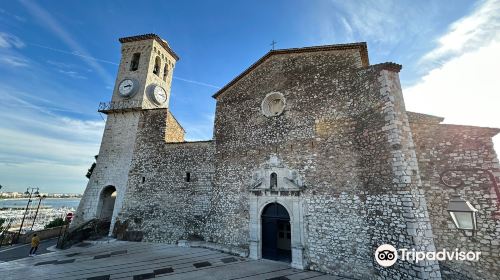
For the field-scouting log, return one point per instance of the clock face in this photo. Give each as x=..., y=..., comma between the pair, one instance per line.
x=159, y=95
x=127, y=88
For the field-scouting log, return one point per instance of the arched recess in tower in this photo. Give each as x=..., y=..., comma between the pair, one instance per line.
x=106, y=203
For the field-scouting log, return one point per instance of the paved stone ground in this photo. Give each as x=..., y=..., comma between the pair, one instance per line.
x=10, y=253
x=139, y=260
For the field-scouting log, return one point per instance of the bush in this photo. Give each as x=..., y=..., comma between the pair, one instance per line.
x=57, y=222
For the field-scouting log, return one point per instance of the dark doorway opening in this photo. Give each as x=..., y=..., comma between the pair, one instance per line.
x=276, y=233
x=106, y=203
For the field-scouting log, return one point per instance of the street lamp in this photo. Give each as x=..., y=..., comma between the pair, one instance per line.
x=38, y=208
x=462, y=213
x=30, y=193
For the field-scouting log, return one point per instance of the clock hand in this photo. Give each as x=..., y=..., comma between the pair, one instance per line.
x=127, y=86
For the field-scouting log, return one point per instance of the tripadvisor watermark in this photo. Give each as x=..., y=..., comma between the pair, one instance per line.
x=386, y=255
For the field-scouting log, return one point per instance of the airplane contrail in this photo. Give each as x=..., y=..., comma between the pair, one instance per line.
x=114, y=63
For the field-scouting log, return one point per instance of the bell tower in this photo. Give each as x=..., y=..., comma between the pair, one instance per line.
x=144, y=76
x=142, y=84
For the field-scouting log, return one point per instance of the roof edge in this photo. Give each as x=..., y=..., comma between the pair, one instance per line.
x=175, y=119
x=389, y=66
x=148, y=37
x=493, y=130
x=361, y=46
x=415, y=117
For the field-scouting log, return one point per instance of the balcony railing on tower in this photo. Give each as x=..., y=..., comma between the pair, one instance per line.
x=119, y=106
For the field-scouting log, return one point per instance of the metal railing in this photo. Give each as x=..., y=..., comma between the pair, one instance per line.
x=116, y=106
x=91, y=229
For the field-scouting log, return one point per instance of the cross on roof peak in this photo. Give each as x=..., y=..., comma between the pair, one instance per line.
x=273, y=43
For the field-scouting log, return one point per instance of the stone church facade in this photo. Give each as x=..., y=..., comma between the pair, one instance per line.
x=314, y=161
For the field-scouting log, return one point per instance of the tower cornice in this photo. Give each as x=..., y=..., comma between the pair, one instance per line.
x=150, y=36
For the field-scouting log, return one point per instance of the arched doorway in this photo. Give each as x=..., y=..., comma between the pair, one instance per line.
x=276, y=233
x=106, y=203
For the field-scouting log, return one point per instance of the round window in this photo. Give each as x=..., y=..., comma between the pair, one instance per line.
x=273, y=104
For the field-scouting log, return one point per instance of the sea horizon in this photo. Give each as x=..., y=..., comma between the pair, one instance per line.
x=56, y=203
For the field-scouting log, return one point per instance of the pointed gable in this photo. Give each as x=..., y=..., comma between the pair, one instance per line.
x=361, y=47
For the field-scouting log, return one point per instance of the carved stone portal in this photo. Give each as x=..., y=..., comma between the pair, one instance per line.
x=273, y=175
x=273, y=182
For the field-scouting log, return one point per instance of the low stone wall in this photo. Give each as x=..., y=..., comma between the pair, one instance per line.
x=42, y=234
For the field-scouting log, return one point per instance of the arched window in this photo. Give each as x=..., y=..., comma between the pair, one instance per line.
x=156, y=69
x=274, y=181
x=134, y=64
x=165, y=72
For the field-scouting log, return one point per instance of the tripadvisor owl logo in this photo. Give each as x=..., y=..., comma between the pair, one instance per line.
x=386, y=255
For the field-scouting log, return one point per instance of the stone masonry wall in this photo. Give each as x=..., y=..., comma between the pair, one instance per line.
x=345, y=130
x=441, y=147
x=112, y=166
x=160, y=203
x=149, y=50
x=175, y=132
x=405, y=216
x=370, y=170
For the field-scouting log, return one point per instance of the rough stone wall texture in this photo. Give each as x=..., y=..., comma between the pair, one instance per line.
x=112, y=165
x=344, y=129
x=442, y=147
x=149, y=50
x=159, y=202
x=346, y=133
x=175, y=132
x=119, y=137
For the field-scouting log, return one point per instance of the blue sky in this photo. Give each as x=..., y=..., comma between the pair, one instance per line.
x=58, y=60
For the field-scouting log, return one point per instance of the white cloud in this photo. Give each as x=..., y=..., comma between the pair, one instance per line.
x=201, y=129
x=64, y=65
x=72, y=74
x=75, y=53
x=40, y=147
x=46, y=161
x=23, y=147
x=51, y=23
x=13, y=60
x=348, y=29
x=68, y=69
x=196, y=82
x=10, y=41
x=375, y=21
x=465, y=88
x=20, y=113
x=372, y=21
x=61, y=64
x=480, y=28
x=49, y=177
x=14, y=16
